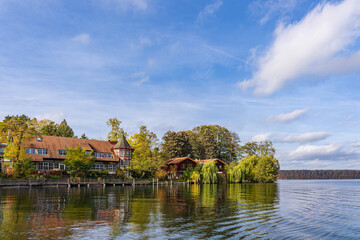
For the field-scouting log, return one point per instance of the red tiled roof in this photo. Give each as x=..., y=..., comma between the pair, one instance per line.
x=54, y=144
x=178, y=160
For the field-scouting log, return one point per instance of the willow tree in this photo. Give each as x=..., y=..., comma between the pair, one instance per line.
x=209, y=172
x=266, y=169
x=235, y=173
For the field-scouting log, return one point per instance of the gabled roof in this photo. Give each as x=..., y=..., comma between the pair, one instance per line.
x=178, y=160
x=122, y=143
x=54, y=144
x=215, y=159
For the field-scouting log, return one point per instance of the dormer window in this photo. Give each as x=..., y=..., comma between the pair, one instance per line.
x=38, y=139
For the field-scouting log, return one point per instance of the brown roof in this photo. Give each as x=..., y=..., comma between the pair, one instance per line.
x=54, y=144
x=208, y=160
x=178, y=160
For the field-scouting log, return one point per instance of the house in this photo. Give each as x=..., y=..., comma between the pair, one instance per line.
x=179, y=165
x=2, y=151
x=219, y=163
x=49, y=152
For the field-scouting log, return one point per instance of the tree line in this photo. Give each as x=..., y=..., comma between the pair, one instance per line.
x=319, y=174
x=201, y=142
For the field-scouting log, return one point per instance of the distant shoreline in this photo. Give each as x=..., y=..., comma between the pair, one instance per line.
x=318, y=174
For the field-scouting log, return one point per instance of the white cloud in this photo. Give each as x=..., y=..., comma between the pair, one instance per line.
x=288, y=117
x=54, y=116
x=210, y=9
x=356, y=144
x=329, y=152
x=304, y=138
x=261, y=137
x=83, y=38
x=315, y=45
x=311, y=152
x=282, y=138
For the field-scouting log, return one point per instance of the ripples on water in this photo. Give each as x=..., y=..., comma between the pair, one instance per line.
x=319, y=209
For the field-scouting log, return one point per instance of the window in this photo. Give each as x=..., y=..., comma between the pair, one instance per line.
x=108, y=155
x=111, y=167
x=38, y=139
x=103, y=155
x=122, y=152
x=87, y=151
x=2, y=150
x=62, y=152
x=42, y=151
x=98, y=167
x=30, y=151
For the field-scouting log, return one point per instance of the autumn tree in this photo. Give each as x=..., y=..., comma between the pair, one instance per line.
x=15, y=130
x=146, y=157
x=116, y=131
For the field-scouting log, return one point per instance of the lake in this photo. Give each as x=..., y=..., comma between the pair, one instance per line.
x=296, y=209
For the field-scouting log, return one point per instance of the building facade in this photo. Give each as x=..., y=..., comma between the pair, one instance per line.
x=49, y=152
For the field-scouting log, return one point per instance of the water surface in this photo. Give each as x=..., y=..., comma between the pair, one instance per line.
x=319, y=209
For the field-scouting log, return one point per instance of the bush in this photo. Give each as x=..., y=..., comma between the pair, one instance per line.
x=120, y=172
x=161, y=174
x=23, y=168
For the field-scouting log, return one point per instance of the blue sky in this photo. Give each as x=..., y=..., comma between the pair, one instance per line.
x=283, y=70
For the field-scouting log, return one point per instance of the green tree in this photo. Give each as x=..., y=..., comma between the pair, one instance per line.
x=83, y=136
x=23, y=167
x=49, y=129
x=266, y=170
x=176, y=144
x=146, y=157
x=79, y=161
x=64, y=130
x=198, y=150
x=209, y=144
x=227, y=142
x=116, y=131
x=260, y=149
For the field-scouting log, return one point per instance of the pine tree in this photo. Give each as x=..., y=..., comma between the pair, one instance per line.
x=64, y=130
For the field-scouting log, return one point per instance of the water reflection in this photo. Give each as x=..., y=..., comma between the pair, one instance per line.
x=177, y=212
